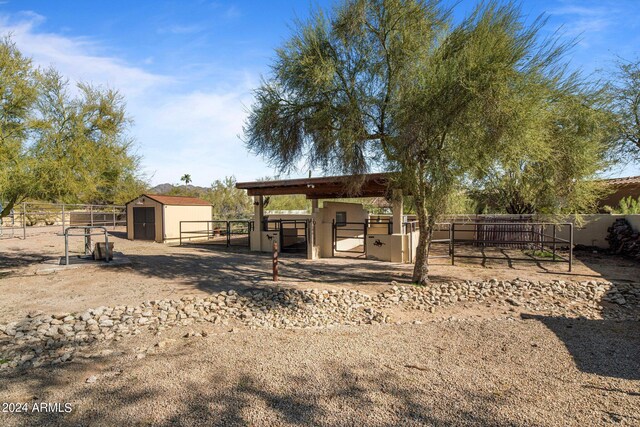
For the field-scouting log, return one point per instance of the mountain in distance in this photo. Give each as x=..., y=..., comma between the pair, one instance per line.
x=167, y=188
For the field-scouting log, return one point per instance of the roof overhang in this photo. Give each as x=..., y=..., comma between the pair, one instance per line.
x=330, y=187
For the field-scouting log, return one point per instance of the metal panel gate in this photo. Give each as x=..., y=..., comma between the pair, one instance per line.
x=349, y=237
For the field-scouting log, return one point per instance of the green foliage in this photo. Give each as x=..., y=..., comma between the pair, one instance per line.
x=626, y=206
x=60, y=147
x=186, y=178
x=625, y=101
x=397, y=85
x=228, y=201
x=552, y=156
x=295, y=202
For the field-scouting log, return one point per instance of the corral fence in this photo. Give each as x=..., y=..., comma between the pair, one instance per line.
x=33, y=218
x=216, y=232
x=541, y=242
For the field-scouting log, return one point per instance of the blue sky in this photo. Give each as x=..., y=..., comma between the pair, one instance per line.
x=187, y=68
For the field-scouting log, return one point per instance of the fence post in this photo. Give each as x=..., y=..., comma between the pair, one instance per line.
x=91, y=214
x=570, y=246
x=24, y=220
x=179, y=231
x=114, y=217
x=554, y=242
x=228, y=233
x=275, y=261
x=453, y=246
x=63, y=217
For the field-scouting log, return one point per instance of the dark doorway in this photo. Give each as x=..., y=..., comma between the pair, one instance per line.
x=144, y=224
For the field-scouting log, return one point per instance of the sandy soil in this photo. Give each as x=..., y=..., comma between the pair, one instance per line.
x=160, y=271
x=545, y=372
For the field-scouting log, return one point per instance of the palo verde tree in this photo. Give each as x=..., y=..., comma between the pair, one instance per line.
x=396, y=85
x=61, y=147
x=625, y=98
x=566, y=138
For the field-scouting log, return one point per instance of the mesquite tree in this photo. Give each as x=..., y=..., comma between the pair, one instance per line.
x=396, y=85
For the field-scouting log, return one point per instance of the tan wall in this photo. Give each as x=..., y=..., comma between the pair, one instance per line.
x=266, y=240
x=174, y=214
x=144, y=202
x=590, y=231
x=387, y=247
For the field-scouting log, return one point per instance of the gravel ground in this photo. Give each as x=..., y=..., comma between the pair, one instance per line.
x=544, y=371
x=160, y=271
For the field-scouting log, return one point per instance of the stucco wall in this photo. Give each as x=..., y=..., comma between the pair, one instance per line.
x=174, y=214
x=590, y=230
x=145, y=202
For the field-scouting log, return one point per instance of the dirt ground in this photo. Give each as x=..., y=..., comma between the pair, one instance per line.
x=465, y=365
x=554, y=372
x=159, y=271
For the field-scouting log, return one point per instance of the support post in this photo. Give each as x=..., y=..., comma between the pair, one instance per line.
x=570, y=247
x=63, y=217
x=91, y=214
x=453, y=245
x=114, y=218
x=397, y=210
x=24, y=220
x=275, y=261
x=66, y=249
x=554, y=242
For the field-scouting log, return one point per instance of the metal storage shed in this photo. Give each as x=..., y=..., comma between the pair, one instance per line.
x=155, y=217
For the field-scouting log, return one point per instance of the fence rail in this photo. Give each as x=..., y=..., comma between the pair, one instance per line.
x=535, y=236
x=31, y=218
x=216, y=232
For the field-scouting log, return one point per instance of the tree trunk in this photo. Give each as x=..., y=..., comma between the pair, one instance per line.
x=421, y=267
x=6, y=210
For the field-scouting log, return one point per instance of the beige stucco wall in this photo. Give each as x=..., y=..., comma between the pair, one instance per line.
x=266, y=240
x=590, y=230
x=174, y=214
x=145, y=202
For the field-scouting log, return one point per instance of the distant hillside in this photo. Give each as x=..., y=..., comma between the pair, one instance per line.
x=167, y=188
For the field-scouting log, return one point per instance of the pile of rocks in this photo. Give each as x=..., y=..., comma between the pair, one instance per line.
x=43, y=338
x=623, y=240
x=557, y=297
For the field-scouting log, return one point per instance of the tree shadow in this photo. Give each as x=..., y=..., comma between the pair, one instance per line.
x=214, y=270
x=608, y=347
x=354, y=395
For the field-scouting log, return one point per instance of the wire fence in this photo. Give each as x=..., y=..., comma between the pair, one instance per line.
x=34, y=218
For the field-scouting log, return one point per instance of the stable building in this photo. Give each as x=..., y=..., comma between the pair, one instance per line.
x=336, y=228
x=160, y=218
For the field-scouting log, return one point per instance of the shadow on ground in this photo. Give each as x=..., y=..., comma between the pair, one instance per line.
x=342, y=396
x=226, y=269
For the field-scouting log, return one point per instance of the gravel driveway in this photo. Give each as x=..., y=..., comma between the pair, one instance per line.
x=545, y=371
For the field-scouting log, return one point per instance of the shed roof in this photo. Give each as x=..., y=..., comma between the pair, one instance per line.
x=176, y=200
x=374, y=185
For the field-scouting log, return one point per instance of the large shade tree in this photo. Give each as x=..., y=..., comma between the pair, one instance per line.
x=61, y=145
x=397, y=85
x=625, y=98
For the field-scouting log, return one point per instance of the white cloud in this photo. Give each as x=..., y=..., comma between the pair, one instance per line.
x=179, y=129
x=77, y=58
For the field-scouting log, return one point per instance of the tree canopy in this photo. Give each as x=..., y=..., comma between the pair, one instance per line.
x=625, y=98
x=61, y=145
x=397, y=85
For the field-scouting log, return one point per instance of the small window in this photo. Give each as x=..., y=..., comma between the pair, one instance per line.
x=341, y=219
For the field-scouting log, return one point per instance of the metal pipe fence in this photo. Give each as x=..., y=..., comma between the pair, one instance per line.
x=541, y=238
x=33, y=218
x=216, y=232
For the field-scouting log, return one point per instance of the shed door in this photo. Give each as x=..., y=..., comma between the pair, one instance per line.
x=144, y=224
